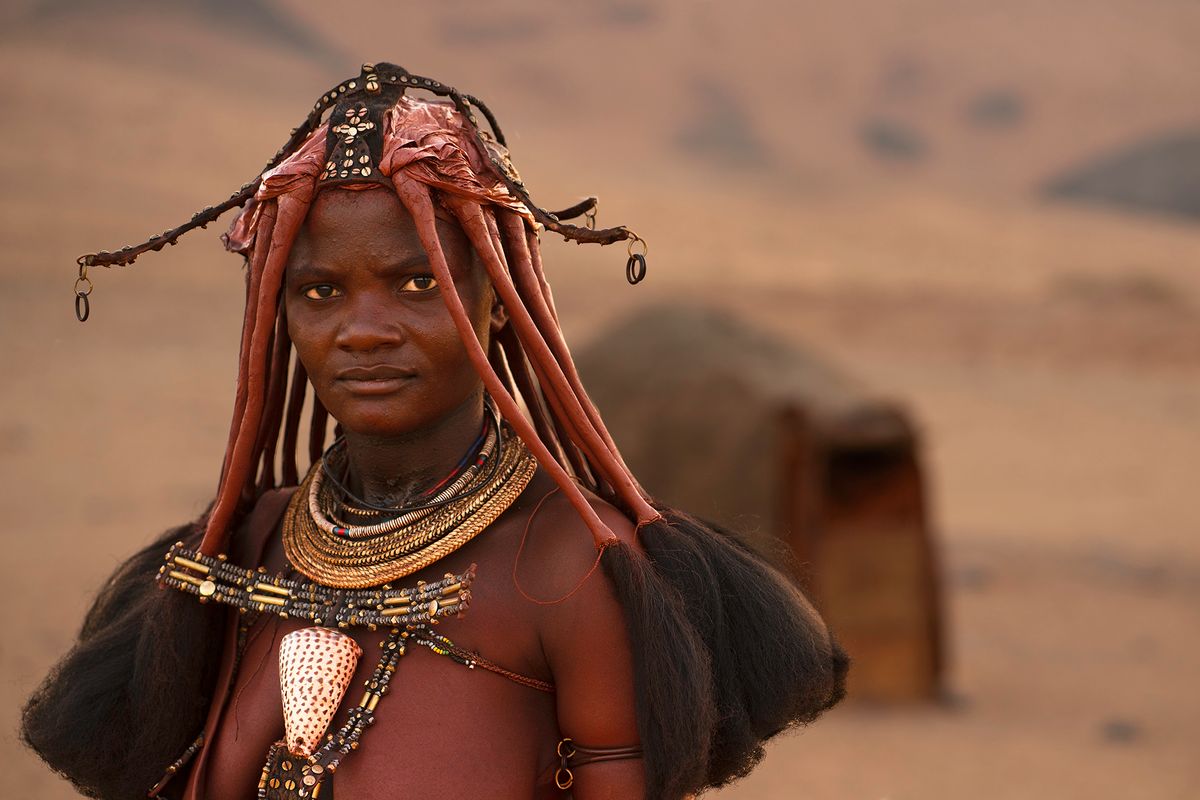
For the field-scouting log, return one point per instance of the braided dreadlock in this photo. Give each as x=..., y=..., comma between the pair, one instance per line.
x=727, y=652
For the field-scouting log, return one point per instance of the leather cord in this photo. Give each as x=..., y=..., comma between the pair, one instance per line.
x=572, y=755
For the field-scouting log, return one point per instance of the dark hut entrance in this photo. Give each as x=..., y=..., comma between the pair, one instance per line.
x=758, y=435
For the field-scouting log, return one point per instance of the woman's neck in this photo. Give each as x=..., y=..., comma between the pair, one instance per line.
x=395, y=470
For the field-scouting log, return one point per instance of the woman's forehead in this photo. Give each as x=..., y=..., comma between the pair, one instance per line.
x=341, y=207
x=338, y=212
x=351, y=225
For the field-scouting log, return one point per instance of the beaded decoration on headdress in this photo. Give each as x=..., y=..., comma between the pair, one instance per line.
x=357, y=158
x=350, y=151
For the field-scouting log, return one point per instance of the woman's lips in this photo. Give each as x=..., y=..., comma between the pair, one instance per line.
x=376, y=380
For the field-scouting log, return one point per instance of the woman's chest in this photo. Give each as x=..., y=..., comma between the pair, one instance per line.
x=441, y=726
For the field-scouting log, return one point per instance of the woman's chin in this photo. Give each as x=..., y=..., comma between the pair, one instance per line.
x=385, y=428
x=392, y=414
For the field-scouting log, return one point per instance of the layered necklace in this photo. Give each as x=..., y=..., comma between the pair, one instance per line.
x=345, y=542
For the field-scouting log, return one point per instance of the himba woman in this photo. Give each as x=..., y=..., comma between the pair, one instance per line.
x=468, y=594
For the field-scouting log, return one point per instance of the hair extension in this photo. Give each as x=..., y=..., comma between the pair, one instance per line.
x=273, y=413
x=675, y=710
x=500, y=367
x=416, y=199
x=473, y=224
x=290, y=211
x=250, y=491
x=316, y=429
x=567, y=426
x=254, y=267
x=546, y=321
x=530, y=378
x=534, y=292
x=727, y=651
x=535, y=258
x=507, y=371
x=550, y=427
x=134, y=689
x=289, y=474
x=559, y=420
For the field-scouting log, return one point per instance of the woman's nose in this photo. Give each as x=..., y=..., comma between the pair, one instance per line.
x=369, y=323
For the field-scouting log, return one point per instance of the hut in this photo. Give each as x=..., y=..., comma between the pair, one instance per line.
x=765, y=438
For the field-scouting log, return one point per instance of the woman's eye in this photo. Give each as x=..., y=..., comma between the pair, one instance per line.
x=322, y=291
x=419, y=283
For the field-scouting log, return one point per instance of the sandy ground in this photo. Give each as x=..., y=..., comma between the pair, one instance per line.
x=1048, y=353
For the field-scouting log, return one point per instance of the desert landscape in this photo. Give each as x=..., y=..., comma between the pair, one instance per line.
x=989, y=213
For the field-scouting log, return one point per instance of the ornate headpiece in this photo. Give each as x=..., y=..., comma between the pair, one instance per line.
x=353, y=150
x=354, y=143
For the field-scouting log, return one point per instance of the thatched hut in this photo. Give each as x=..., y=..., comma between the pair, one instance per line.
x=766, y=438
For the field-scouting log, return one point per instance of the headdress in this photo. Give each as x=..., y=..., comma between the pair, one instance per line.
x=371, y=131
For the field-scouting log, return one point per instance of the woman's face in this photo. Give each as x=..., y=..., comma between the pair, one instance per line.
x=367, y=320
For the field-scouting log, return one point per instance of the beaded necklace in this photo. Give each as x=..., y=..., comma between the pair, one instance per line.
x=287, y=775
x=410, y=611
x=218, y=580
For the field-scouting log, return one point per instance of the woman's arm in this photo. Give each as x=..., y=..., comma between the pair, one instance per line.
x=587, y=647
x=718, y=652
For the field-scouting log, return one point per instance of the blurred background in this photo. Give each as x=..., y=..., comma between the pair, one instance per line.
x=985, y=216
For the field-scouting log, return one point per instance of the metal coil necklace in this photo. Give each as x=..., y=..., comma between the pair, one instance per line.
x=331, y=504
x=335, y=458
x=403, y=540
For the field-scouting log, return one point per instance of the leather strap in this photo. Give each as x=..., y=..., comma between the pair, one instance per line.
x=472, y=660
x=572, y=755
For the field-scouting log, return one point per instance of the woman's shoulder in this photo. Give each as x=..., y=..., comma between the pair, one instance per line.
x=558, y=572
x=556, y=552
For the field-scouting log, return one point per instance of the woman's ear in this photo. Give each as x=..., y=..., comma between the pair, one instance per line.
x=499, y=317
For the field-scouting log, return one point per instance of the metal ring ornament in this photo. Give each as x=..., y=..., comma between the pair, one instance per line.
x=83, y=306
x=563, y=777
x=635, y=267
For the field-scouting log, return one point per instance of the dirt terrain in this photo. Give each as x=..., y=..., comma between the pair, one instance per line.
x=864, y=178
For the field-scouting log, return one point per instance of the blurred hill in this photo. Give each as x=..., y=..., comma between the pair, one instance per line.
x=866, y=178
x=1161, y=176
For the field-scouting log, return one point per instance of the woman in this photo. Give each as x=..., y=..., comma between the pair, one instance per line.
x=392, y=245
